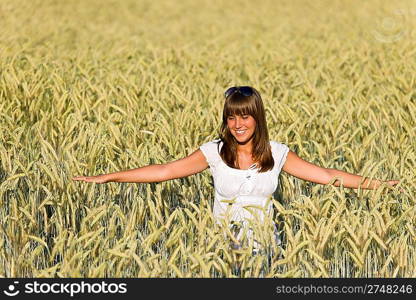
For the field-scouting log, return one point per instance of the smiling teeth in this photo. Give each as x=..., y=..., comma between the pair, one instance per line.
x=240, y=131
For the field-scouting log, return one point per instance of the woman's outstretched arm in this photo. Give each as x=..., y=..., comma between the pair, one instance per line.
x=302, y=169
x=189, y=165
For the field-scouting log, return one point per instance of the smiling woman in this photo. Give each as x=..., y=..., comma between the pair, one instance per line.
x=244, y=130
x=244, y=163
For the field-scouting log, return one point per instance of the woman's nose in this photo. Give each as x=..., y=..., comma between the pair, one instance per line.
x=237, y=122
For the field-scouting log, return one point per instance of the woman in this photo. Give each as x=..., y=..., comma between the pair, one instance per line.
x=244, y=164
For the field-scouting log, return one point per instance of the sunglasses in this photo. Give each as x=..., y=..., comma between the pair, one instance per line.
x=243, y=90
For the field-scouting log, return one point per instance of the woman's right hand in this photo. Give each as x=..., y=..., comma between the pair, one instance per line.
x=97, y=179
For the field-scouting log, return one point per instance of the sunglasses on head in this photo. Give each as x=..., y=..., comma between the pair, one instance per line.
x=243, y=90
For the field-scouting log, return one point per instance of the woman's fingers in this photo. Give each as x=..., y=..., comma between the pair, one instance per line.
x=393, y=183
x=96, y=179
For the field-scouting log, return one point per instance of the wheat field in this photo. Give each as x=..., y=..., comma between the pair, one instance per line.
x=98, y=86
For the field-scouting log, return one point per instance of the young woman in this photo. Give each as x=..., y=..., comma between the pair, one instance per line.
x=243, y=162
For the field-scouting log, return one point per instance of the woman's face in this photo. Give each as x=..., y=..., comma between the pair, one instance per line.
x=241, y=127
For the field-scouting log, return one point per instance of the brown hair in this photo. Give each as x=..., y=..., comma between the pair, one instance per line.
x=238, y=104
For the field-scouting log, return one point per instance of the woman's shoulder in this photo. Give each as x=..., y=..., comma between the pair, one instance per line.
x=211, y=151
x=279, y=152
x=212, y=146
x=276, y=143
x=278, y=146
x=216, y=141
x=212, y=143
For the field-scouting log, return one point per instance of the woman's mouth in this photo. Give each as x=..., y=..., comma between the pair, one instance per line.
x=240, y=132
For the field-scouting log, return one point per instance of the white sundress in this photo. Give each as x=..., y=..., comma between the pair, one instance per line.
x=236, y=189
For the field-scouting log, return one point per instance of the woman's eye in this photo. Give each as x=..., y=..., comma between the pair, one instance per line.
x=245, y=117
x=230, y=118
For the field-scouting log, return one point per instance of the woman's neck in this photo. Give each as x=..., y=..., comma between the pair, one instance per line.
x=246, y=149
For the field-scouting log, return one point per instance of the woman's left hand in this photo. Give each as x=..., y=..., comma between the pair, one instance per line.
x=393, y=183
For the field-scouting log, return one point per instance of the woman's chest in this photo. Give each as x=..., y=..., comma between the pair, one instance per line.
x=244, y=162
x=231, y=183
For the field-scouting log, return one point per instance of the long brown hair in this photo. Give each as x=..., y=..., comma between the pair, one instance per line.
x=238, y=104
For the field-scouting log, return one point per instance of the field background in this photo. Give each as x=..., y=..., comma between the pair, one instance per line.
x=89, y=87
